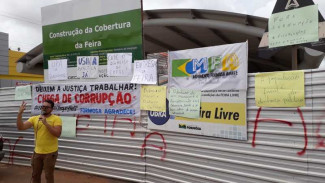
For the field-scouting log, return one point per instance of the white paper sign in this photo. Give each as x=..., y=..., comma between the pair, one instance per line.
x=23, y=92
x=87, y=66
x=119, y=64
x=145, y=71
x=58, y=69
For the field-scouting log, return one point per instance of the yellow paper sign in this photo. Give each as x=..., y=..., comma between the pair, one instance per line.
x=280, y=89
x=153, y=98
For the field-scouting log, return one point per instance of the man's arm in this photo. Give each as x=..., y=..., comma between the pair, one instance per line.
x=54, y=130
x=20, y=124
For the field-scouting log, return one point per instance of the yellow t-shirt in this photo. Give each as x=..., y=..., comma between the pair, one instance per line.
x=45, y=141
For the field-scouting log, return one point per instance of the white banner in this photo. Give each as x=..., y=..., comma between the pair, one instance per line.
x=89, y=98
x=220, y=72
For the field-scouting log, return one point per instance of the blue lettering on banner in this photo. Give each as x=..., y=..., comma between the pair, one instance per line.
x=120, y=111
x=159, y=118
x=90, y=111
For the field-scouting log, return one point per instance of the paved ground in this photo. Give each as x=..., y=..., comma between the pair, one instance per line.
x=22, y=174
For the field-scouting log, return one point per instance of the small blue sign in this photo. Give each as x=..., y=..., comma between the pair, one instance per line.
x=159, y=118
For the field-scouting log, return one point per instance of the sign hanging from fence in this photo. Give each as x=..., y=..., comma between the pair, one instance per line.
x=280, y=89
x=119, y=64
x=23, y=92
x=89, y=98
x=294, y=27
x=220, y=73
x=57, y=70
x=87, y=66
x=145, y=71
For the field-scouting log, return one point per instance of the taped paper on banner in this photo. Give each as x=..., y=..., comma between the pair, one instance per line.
x=220, y=73
x=153, y=98
x=184, y=102
x=88, y=98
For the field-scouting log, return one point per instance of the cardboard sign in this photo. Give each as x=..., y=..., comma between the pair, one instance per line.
x=58, y=69
x=119, y=64
x=145, y=72
x=87, y=66
x=294, y=27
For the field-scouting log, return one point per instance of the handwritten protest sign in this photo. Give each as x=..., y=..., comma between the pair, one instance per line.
x=294, y=27
x=58, y=69
x=119, y=64
x=89, y=98
x=87, y=66
x=68, y=126
x=23, y=92
x=153, y=98
x=184, y=102
x=145, y=71
x=280, y=89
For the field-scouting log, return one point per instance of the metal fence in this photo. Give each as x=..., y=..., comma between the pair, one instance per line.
x=285, y=145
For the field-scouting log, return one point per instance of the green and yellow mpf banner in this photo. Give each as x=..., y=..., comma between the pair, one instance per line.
x=220, y=73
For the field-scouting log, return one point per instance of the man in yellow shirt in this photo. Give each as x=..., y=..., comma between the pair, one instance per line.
x=47, y=129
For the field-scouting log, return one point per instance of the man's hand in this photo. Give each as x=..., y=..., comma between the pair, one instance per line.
x=20, y=124
x=43, y=119
x=54, y=130
x=22, y=107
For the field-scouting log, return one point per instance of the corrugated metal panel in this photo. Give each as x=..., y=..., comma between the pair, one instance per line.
x=113, y=147
x=4, y=53
x=274, y=158
x=105, y=146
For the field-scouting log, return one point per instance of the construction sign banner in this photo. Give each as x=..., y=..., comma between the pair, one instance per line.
x=85, y=28
x=220, y=73
x=88, y=98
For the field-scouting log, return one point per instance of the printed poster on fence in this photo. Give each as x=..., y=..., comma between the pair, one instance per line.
x=220, y=72
x=91, y=28
x=89, y=98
